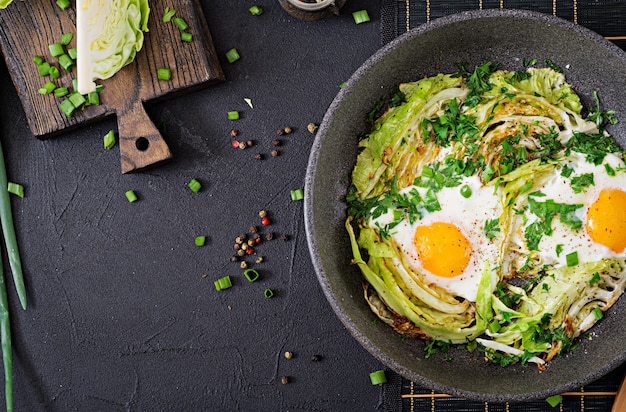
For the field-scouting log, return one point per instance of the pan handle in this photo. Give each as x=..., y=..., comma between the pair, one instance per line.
x=141, y=143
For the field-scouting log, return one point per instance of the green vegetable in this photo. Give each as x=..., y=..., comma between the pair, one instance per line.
x=164, y=74
x=232, y=55
x=5, y=337
x=233, y=115
x=66, y=61
x=168, y=14
x=194, y=185
x=16, y=189
x=93, y=98
x=555, y=400
x=256, y=10
x=200, y=240
x=181, y=23
x=251, y=274
x=360, y=16
x=268, y=293
x=297, y=194
x=63, y=4
x=109, y=140
x=61, y=91
x=66, y=38
x=186, y=37
x=56, y=49
x=223, y=283
x=572, y=258
x=109, y=35
x=47, y=88
x=378, y=377
x=67, y=107
x=131, y=196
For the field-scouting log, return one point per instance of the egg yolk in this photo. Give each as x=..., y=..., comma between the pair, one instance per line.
x=442, y=249
x=606, y=220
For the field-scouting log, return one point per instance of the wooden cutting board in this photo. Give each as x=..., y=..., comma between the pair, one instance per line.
x=28, y=27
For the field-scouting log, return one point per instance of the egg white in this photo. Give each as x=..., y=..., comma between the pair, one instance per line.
x=467, y=214
x=554, y=249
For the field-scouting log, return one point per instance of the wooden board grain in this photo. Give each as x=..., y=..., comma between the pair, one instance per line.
x=28, y=27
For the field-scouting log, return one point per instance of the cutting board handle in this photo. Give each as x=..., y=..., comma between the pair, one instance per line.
x=141, y=143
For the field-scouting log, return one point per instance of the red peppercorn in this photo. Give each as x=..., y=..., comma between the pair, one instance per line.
x=249, y=251
x=265, y=221
x=257, y=240
x=235, y=144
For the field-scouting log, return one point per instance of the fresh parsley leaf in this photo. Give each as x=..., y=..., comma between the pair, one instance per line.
x=580, y=183
x=600, y=117
x=492, y=226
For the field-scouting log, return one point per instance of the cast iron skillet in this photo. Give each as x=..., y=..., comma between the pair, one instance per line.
x=507, y=37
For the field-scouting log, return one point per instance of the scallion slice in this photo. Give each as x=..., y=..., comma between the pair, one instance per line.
x=77, y=99
x=256, y=10
x=63, y=4
x=67, y=107
x=268, y=293
x=378, y=377
x=186, y=36
x=38, y=60
x=194, y=185
x=571, y=259
x=66, y=38
x=16, y=189
x=109, y=140
x=47, y=88
x=73, y=52
x=223, y=283
x=200, y=241
x=44, y=68
x=168, y=14
x=597, y=313
x=181, y=23
x=466, y=191
x=131, y=196
x=54, y=72
x=297, y=194
x=251, y=275
x=232, y=55
x=61, y=91
x=66, y=61
x=164, y=74
x=93, y=98
x=361, y=16
x=56, y=49
x=233, y=115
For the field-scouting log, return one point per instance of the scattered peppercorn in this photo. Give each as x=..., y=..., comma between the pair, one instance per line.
x=250, y=143
x=239, y=240
x=274, y=153
x=234, y=132
x=284, y=380
x=280, y=132
x=253, y=229
x=269, y=236
x=251, y=242
x=250, y=251
x=265, y=221
x=237, y=246
x=244, y=246
x=287, y=130
x=258, y=156
x=312, y=128
x=277, y=142
x=242, y=145
x=234, y=258
x=241, y=252
x=284, y=237
x=243, y=236
x=235, y=144
x=259, y=259
x=204, y=276
x=316, y=358
x=243, y=265
x=288, y=355
x=262, y=213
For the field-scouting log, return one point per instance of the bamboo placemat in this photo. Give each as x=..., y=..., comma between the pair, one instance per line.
x=608, y=18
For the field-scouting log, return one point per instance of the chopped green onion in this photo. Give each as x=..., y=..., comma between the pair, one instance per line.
x=73, y=53
x=200, y=240
x=232, y=55
x=186, y=36
x=361, y=16
x=47, y=88
x=256, y=10
x=16, y=189
x=99, y=87
x=597, y=313
x=466, y=191
x=571, y=259
x=54, y=72
x=268, y=293
x=494, y=326
x=527, y=186
x=234, y=115
x=131, y=196
x=109, y=140
x=44, y=68
x=38, y=60
x=164, y=74
x=223, y=283
x=181, y=23
x=61, y=91
x=595, y=278
x=297, y=194
x=168, y=14
x=67, y=107
x=63, y=4
x=378, y=377
x=194, y=185
x=56, y=49
x=554, y=400
x=66, y=38
x=251, y=275
x=609, y=170
x=66, y=61
x=93, y=98
x=342, y=85
x=75, y=84
x=77, y=99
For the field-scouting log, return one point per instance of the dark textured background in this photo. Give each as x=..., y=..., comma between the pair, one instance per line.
x=120, y=316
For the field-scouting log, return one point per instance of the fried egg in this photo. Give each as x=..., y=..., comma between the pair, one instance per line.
x=449, y=247
x=601, y=211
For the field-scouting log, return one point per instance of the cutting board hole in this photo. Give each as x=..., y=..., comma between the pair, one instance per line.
x=142, y=144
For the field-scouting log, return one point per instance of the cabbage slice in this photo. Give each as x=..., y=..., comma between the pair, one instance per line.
x=109, y=35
